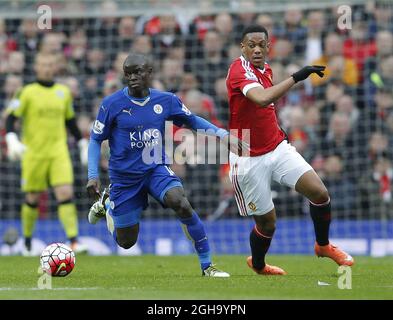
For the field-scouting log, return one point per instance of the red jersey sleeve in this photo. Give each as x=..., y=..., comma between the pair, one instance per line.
x=241, y=77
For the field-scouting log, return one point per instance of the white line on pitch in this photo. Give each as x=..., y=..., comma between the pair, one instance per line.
x=34, y=289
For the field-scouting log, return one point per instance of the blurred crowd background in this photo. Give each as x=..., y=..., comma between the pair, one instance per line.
x=342, y=124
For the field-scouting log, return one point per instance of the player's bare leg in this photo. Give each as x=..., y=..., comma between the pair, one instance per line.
x=260, y=238
x=29, y=217
x=194, y=230
x=311, y=186
x=127, y=237
x=124, y=237
x=68, y=215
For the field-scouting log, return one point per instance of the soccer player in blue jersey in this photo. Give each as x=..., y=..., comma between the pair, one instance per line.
x=133, y=120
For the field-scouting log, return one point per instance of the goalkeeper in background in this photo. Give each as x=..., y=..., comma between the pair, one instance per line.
x=45, y=108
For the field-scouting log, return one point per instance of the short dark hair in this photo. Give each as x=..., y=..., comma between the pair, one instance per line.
x=140, y=58
x=254, y=28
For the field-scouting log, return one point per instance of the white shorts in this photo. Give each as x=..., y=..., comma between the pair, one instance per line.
x=251, y=177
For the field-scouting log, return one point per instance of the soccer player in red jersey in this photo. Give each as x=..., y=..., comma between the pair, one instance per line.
x=252, y=115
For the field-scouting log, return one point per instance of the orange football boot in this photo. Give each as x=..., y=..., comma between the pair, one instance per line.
x=336, y=254
x=268, y=270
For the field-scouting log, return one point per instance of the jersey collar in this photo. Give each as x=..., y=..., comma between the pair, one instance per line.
x=245, y=60
x=44, y=83
x=138, y=101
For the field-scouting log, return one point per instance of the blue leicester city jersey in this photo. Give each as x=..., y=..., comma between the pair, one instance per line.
x=135, y=128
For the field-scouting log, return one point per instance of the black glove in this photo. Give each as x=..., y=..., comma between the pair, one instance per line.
x=303, y=73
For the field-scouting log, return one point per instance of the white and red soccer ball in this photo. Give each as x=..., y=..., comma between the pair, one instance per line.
x=57, y=260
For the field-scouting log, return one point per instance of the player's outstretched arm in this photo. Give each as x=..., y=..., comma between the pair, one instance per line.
x=264, y=97
x=182, y=116
x=94, y=155
x=232, y=142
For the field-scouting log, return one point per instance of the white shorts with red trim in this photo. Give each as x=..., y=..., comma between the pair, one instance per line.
x=251, y=177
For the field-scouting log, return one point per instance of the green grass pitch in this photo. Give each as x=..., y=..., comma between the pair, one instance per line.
x=178, y=277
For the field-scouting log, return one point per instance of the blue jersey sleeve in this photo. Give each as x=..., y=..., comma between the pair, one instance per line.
x=103, y=123
x=94, y=154
x=181, y=115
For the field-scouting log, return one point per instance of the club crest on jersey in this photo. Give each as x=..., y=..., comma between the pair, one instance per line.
x=251, y=76
x=60, y=94
x=98, y=127
x=157, y=108
x=252, y=206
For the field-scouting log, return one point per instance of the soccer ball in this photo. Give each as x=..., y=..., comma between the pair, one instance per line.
x=57, y=259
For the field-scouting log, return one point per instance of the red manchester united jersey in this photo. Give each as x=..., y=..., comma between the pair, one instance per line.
x=265, y=133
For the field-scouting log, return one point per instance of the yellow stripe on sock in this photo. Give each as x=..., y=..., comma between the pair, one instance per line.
x=184, y=227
